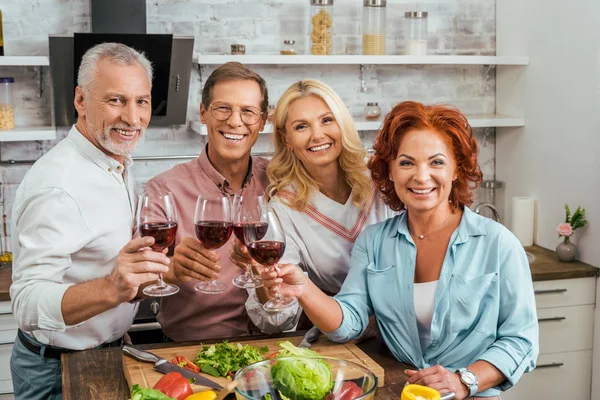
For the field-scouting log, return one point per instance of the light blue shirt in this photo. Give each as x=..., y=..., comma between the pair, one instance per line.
x=484, y=303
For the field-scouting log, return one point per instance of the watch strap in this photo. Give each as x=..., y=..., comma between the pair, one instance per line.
x=474, y=387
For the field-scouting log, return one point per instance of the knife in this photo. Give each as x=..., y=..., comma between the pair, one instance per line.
x=164, y=366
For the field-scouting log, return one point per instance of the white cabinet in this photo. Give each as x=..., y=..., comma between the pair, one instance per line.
x=565, y=310
x=8, y=333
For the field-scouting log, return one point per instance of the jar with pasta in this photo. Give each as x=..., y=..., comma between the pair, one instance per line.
x=7, y=112
x=321, y=27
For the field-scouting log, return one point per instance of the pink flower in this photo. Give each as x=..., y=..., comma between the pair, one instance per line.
x=564, y=229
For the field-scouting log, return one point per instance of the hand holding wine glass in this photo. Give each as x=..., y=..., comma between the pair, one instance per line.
x=267, y=248
x=213, y=227
x=157, y=217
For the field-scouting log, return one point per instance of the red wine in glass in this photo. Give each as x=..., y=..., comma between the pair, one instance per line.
x=162, y=232
x=267, y=247
x=213, y=234
x=259, y=227
x=268, y=252
x=156, y=216
x=247, y=209
x=213, y=225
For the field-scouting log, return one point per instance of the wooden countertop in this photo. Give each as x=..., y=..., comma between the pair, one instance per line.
x=5, y=281
x=98, y=374
x=546, y=267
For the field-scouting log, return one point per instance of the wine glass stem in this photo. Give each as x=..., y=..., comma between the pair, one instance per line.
x=160, y=282
x=278, y=295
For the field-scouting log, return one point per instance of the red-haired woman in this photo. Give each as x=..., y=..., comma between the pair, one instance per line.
x=451, y=291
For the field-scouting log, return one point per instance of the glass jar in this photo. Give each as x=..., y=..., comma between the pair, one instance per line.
x=321, y=26
x=415, y=33
x=372, y=111
x=373, y=37
x=238, y=49
x=289, y=48
x=270, y=113
x=7, y=112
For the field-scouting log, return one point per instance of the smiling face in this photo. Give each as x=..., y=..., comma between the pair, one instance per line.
x=232, y=139
x=313, y=134
x=115, y=110
x=423, y=171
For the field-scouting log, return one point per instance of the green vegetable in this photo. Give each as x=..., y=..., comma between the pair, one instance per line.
x=138, y=393
x=301, y=379
x=221, y=358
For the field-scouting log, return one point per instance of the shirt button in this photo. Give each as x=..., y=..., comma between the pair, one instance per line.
x=119, y=168
x=110, y=170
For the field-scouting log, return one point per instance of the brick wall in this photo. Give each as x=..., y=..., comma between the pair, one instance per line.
x=455, y=27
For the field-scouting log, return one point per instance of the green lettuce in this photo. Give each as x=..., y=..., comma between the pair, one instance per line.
x=138, y=393
x=303, y=378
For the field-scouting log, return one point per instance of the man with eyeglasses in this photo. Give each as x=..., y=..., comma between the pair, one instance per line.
x=234, y=110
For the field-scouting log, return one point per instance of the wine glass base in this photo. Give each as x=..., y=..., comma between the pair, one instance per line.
x=161, y=290
x=277, y=305
x=247, y=282
x=210, y=287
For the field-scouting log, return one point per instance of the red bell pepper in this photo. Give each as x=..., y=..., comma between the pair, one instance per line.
x=174, y=385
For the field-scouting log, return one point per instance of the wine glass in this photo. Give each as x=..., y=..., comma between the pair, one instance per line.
x=267, y=248
x=156, y=216
x=213, y=228
x=247, y=212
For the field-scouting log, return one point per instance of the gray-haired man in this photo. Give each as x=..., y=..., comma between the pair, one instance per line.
x=76, y=268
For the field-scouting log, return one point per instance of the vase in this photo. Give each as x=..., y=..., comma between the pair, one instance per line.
x=566, y=251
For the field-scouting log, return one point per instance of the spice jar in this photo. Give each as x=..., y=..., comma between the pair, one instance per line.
x=238, y=49
x=321, y=26
x=289, y=48
x=270, y=113
x=372, y=111
x=373, y=37
x=415, y=33
x=7, y=113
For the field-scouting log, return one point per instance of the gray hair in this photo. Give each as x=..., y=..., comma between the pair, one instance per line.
x=116, y=52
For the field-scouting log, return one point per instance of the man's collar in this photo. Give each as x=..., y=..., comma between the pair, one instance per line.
x=215, y=176
x=106, y=163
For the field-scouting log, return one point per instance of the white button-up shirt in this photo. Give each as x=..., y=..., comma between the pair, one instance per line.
x=72, y=214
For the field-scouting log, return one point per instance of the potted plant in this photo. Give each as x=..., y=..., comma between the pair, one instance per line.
x=566, y=251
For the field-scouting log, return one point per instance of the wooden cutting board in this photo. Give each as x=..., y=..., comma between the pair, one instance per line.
x=143, y=373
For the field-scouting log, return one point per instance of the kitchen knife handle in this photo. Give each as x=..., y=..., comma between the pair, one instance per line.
x=141, y=355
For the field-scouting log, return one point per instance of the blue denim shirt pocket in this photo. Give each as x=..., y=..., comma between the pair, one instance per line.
x=474, y=303
x=383, y=287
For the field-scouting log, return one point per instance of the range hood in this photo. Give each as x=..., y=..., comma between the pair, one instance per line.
x=124, y=21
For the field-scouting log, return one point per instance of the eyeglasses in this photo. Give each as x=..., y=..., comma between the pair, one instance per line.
x=222, y=112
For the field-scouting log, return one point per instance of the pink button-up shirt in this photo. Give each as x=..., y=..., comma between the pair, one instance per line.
x=189, y=314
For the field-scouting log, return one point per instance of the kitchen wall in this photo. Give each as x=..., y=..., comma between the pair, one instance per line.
x=455, y=26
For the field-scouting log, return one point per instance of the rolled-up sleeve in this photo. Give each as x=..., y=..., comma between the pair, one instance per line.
x=354, y=298
x=47, y=227
x=517, y=347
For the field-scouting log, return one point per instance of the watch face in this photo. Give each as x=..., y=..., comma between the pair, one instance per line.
x=468, y=377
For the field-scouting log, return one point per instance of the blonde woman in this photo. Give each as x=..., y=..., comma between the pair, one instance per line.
x=320, y=189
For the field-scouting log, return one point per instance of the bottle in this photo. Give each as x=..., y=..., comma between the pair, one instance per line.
x=238, y=49
x=7, y=113
x=373, y=37
x=415, y=33
x=270, y=113
x=321, y=26
x=288, y=48
x=1, y=36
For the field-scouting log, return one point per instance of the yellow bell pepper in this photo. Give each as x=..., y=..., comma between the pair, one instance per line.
x=206, y=395
x=411, y=392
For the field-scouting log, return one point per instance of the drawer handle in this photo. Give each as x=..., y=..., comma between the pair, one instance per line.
x=551, y=319
x=550, y=291
x=3, y=343
x=6, y=313
x=551, y=365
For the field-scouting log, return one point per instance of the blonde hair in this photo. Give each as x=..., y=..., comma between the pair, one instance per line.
x=285, y=168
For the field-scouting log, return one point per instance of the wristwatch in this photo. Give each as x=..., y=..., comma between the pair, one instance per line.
x=469, y=379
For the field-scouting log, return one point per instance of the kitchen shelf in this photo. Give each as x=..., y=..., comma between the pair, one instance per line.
x=21, y=134
x=212, y=59
x=476, y=121
x=23, y=60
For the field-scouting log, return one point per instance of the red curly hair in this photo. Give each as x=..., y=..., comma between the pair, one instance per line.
x=445, y=120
